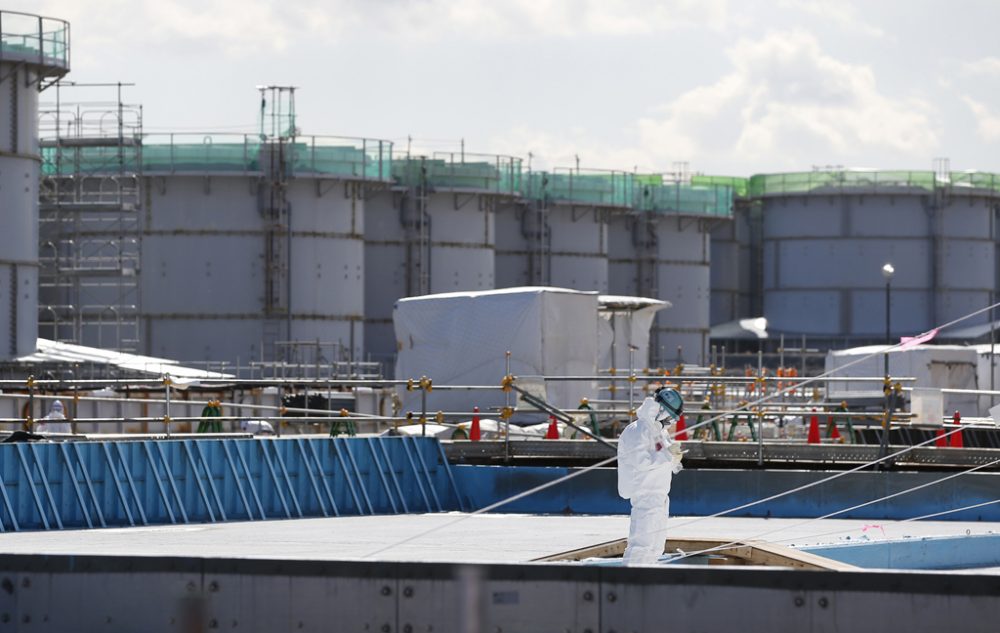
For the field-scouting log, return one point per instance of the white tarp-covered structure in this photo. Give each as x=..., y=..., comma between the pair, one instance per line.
x=47, y=351
x=461, y=338
x=933, y=366
x=989, y=374
x=625, y=322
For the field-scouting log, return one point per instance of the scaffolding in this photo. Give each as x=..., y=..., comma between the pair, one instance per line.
x=277, y=135
x=90, y=243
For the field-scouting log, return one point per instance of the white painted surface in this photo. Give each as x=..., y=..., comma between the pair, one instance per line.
x=452, y=537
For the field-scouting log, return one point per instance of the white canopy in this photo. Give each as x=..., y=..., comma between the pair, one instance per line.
x=47, y=351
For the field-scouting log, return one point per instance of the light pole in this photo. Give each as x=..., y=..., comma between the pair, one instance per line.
x=887, y=272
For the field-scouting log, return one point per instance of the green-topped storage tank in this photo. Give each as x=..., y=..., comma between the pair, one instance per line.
x=824, y=236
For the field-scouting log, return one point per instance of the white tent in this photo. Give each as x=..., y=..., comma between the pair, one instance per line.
x=47, y=351
x=461, y=338
x=933, y=366
x=625, y=322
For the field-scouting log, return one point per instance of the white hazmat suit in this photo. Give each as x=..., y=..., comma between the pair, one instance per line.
x=647, y=460
x=55, y=421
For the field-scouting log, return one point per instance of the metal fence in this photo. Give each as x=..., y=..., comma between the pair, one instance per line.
x=128, y=483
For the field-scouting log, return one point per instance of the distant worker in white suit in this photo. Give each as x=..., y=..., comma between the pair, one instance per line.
x=55, y=421
x=647, y=460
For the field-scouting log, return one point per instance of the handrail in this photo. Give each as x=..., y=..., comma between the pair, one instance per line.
x=43, y=40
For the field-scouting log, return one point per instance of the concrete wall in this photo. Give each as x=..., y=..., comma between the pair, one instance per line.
x=121, y=593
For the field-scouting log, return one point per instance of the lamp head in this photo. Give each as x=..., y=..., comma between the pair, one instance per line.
x=888, y=271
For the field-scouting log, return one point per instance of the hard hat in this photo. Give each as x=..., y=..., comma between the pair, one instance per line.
x=670, y=401
x=57, y=406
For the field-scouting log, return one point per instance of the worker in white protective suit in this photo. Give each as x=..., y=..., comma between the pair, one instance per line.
x=55, y=421
x=647, y=460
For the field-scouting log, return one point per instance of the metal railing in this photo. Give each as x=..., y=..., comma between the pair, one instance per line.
x=598, y=187
x=347, y=157
x=823, y=181
x=35, y=39
x=784, y=419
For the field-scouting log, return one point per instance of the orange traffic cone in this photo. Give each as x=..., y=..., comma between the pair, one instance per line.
x=681, y=430
x=835, y=434
x=814, y=430
x=940, y=440
x=553, y=432
x=956, y=438
x=475, y=433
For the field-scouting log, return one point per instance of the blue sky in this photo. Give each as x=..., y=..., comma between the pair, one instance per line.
x=725, y=86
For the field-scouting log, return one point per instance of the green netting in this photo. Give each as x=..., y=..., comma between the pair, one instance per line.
x=326, y=159
x=740, y=186
x=86, y=160
x=216, y=157
x=498, y=174
x=34, y=38
x=824, y=181
x=611, y=188
x=805, y=182
x=687, y=199
x=370, y=160
x=975, y=179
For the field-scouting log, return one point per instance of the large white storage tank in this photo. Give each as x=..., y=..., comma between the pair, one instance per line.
x=731, y=262
x=433, y=231
x=235, y=261
x=826, y=235
x=34, y=53
x=558, y=235
x=662, y=250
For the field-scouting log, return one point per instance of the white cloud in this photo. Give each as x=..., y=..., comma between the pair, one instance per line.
x=240, y=27
x=987, y=121
x=562, y=18
x=838, y=12
x=785, y=98
x=988, y=66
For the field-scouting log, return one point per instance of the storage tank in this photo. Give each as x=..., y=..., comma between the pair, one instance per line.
x=730, y=245
x=433, y=231
x=34, y=53
x=238, y=257
x=558, y=235
x=730, y=268
x=662, y=250
x=826, y=235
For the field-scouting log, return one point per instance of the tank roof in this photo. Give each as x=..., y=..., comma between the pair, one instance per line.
x=865, y=180
x=36, y=40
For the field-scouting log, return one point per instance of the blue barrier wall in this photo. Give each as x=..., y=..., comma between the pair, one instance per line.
x=703, y=492
x=125, y=483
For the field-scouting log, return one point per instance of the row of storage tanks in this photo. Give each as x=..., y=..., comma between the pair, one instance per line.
x=420, y=225
x=806, y=251
x=366, y=227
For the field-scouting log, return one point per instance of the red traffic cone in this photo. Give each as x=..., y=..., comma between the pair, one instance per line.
x=553, y=432
x=681, y=430
x=835, y=434
x=956, y=438
x=940, y=440
x=813, y=430
x=475, y=433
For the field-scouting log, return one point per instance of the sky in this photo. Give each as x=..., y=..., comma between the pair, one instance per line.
x=724, y=86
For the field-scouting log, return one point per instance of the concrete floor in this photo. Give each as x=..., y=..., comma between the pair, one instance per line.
x=453, y=537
